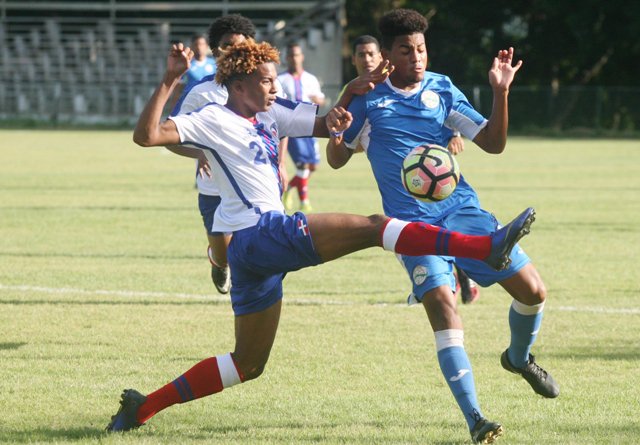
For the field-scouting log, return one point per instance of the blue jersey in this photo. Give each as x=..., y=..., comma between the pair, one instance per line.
x=199, y=70
x=389, y=123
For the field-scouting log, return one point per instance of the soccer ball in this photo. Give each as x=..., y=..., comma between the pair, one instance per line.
x=430, y=173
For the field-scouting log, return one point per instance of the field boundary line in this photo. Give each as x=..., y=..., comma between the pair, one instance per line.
x=295, y=301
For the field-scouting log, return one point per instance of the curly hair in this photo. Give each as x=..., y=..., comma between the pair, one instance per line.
x=400, y=22
x=238, y=61
x=230, y=24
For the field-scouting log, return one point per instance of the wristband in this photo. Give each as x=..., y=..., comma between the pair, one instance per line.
x=337, y=134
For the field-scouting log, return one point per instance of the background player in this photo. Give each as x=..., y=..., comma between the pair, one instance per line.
x=240, y=140
x=414, y=107
x=301, y=86
x=224, y=31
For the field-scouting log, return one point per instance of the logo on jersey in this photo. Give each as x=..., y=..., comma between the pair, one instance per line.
x=461, y=373
x=385, y=103
x=274, y=130
x=419, y=275
x=430, y=99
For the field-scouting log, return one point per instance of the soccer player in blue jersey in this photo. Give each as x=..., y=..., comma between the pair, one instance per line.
x=240, y=139
x=415, y=107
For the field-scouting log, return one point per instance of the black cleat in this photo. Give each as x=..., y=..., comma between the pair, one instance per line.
x=126, y=417
x=539, y=379
x=486, y=432
x=221, y=278
x=503, y=239
x=469, y=291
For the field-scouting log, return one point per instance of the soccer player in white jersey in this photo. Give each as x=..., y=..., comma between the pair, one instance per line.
x=301, y=86
x=414, y=107
x=240, y=140
x=224, y=31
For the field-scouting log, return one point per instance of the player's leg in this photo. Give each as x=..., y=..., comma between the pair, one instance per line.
x=218, y=242
x=432, y=279
x=469, y=291
x=338, y=234
x=255, y=334
x=525, y=320
x=312, y=159
x=217, y=252
x=524, y=284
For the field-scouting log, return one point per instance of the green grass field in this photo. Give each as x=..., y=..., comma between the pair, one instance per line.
x=104, y=285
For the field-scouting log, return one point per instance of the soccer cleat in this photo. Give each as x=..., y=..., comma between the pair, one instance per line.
x=125, y=419
x=287, y=199
x=221, y=277
x=540, y=380
x=505, y=238
x=486, y=432
x=469, y=291
x=305, y=207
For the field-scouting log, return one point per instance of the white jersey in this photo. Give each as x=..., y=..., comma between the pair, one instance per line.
x=244, y=156
x=201, y=94
x=301, y=88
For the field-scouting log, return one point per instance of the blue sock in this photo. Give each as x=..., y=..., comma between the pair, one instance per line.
x=456, y=368
x=524, y=322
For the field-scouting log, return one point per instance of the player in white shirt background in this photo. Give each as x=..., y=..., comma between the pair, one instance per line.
x=301, y=86
x=224, y=31
x=240, y=141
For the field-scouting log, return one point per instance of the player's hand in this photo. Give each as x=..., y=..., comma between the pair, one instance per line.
x=368, y=81
x=338, y=120
x=502, y=71
x=203, y=166
x=179, y=60
x=456, y=145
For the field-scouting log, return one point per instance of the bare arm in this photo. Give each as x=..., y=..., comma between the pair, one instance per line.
x=149, y=130
x=357, y=87
x=493, y=137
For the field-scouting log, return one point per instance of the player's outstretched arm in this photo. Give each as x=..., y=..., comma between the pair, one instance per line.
x=493, y=137
x=149, y=131
x=357, y=87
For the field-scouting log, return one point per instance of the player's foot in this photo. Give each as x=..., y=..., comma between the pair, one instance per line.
x=540, y=380
x=305, y=207
x=221, y=277
x=287, y=199
x=125, y=419
x=503, y=239
x=469, y=291
x=486, y=432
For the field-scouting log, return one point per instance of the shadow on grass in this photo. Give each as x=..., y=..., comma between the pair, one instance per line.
x=11, y=345
x=45, y=435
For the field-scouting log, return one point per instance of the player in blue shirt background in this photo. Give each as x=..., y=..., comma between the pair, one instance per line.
x=415, y=107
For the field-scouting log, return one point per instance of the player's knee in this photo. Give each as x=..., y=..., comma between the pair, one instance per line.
x=378, y=220
x=253, y=372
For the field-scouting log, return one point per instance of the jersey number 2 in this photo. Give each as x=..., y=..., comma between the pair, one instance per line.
x=260, y=158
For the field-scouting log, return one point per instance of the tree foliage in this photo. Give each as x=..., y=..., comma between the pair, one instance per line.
x=592, y=42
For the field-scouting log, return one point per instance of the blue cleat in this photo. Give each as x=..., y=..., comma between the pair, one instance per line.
x=486, y=432
x=505, y=238
x=125, y=419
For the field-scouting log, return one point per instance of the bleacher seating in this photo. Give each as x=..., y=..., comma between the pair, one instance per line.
x=99, y=63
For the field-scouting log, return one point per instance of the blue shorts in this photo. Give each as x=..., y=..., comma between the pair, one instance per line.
x=208, y=205
x=304, y=150
x=428, y=272
x=260, y=256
